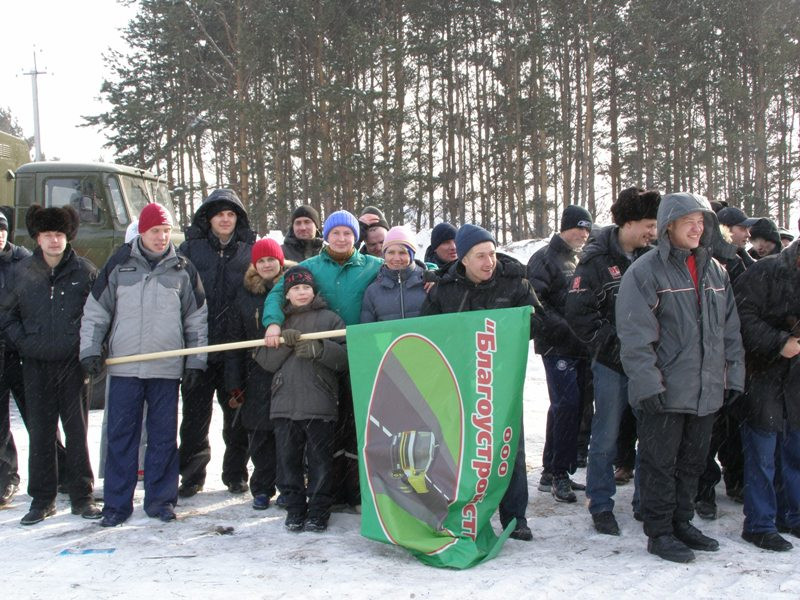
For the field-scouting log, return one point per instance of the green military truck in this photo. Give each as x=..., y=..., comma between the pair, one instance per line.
x=13, y=153
x=107, y=197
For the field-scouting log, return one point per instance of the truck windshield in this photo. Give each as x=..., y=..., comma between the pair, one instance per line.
x=140, y=191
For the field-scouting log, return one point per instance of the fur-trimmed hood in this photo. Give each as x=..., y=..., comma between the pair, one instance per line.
x=255, y=284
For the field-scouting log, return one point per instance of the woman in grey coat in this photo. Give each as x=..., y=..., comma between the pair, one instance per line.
x=399, y=290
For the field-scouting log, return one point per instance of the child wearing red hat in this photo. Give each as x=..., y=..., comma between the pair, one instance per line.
x=248, y=385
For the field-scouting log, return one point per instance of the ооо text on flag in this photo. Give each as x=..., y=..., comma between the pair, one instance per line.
x=438, y=409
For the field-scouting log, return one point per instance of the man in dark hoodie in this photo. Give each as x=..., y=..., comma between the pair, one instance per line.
x=682, y=351
x=565, y=359
x=483, y=279
x=218, y=243
x=590, y=311
x=304, y=238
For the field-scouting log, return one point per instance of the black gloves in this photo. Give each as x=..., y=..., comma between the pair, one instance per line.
x=92, y=365
x=652, y=405
x=310, y=349
x=730, y=397
x=290, y=336
x=191, y=377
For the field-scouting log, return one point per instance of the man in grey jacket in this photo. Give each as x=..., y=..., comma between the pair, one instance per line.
x=682, y=351
x=150, y=299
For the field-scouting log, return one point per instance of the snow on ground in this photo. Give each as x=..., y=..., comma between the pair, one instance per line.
x=259, y=559
x=68, y=557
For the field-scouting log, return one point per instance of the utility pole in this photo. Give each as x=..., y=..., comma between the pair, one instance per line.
x=37, y=137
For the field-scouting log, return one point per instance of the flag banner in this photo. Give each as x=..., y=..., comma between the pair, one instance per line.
x=438, y=410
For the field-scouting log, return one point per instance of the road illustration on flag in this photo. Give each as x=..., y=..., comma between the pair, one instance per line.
x=411, y=456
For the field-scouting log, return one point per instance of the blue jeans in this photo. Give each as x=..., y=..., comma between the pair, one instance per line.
x=610, y=402
x=763, y=509
x=126, y=399
x=566, y=379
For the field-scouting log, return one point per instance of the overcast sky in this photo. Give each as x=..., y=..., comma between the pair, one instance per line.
x=70, y=39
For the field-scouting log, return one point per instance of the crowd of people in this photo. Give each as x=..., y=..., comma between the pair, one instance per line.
x=676, y=326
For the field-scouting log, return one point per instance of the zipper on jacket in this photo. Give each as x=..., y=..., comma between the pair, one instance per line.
x=402, y=301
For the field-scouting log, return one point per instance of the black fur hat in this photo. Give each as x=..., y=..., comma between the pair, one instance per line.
x=63, y=219
x=635, y=204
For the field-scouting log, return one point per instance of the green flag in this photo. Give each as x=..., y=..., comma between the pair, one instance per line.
x=438, y=409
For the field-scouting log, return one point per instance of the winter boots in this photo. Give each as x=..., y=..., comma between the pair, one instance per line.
x=606, y=523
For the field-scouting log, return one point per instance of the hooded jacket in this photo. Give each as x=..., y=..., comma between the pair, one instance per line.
x=221, y=267
x=394, y=294
x=303, y=388
x=41, y=314
x=769, y=309
x=592, y=297
x=676, y=340
x=137, y=308
x=550, y=272
x=299, y=250
x=507, y=288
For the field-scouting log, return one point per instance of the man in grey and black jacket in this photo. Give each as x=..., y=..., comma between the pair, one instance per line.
x=148, y=298
x=682, y=351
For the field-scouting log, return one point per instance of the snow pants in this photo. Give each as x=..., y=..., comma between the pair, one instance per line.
x=126, y=399
x=53, y=392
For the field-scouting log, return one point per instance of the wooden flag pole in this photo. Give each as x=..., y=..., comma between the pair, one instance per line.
x=119, y=360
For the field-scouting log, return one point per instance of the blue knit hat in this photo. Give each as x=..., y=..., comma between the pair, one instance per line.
x=468, y=235
x=337, y=219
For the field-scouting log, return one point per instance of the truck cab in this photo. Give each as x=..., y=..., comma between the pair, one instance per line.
x=107, y=198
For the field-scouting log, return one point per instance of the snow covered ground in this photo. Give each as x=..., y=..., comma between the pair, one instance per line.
x=67, y=557
x=220, y=548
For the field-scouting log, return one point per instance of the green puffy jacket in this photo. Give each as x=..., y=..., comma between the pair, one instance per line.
x=342, y=286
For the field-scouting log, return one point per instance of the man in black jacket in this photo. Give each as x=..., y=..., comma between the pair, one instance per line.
x=769, y=310
x=442, y=249
x=10, y=373
x=590, y=311
x=564, y=356
x=482, y=279
x=218, y=243
x=304, y=238
x=42, y=318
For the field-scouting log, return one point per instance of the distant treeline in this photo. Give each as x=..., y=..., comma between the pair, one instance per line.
x=494, y=112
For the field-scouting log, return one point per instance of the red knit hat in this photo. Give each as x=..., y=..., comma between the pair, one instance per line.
x=153, y=215
x=266, y=247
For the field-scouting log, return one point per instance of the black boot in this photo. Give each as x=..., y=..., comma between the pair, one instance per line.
x=670, y=548
x=692, y=537
x=606, y=523
x=768, y=541
x=37, y=515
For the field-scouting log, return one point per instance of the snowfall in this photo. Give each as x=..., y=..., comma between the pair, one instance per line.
x=220, y=547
